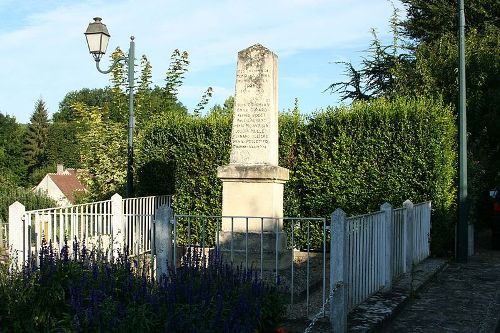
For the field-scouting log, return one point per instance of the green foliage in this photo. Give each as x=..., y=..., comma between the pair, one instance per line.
x=428, y=20
x=90, y=97
x=380, y=151
x=82, y=291
x=103, y=147
x=118, y=111
x=175, y=73
x=12, y=167
x=291, y=126
x=9, y=194
x=429, y=75
x=355, y=158
x=101, y=129
x=203, y=102
x=37, y=175
x=62, y=144
x=189, y=149
x=425, y=66
x=35, y=141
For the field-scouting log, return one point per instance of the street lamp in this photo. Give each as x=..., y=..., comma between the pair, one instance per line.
x=97, y=40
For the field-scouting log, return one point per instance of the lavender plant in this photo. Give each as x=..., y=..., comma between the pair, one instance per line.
x=82, y=291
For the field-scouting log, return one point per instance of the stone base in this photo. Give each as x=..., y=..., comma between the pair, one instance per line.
x=255, y=191
x=243, y=248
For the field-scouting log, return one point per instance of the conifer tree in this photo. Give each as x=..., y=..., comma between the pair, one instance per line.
x=35, y=141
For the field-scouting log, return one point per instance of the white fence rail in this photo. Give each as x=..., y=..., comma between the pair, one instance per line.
x=109, y=224
x=366, y=244
x=368, y=251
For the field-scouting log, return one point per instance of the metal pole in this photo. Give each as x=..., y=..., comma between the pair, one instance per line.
x=462, y=230
x=130, y=148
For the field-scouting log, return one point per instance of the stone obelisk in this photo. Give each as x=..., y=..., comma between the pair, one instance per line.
x=253, y=182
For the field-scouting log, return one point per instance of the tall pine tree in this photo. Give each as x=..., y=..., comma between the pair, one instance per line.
x=35, y=141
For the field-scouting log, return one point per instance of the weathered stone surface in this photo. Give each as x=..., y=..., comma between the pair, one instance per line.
x=254, y=138
x=254, y=173
x=253, y=183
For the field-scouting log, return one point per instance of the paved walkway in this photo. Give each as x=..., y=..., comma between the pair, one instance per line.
x=462, y=298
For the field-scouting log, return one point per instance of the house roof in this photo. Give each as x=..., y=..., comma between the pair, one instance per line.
x=68, y=183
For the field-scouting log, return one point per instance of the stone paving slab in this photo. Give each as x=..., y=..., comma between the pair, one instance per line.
x=462, y=298
x=372, y=314
x=377, y=310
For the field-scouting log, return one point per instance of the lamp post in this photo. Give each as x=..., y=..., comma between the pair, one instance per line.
x=97, y=36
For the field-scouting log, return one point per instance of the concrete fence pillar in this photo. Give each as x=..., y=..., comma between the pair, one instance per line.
x=2, y=237
x=409, y=230
x=117, y=224
x=338, y=271
x=386, y=208
x=18, y=234
x=470, y=243
x=163, y=226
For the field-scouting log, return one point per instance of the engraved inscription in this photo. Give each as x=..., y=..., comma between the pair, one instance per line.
x=253, y=130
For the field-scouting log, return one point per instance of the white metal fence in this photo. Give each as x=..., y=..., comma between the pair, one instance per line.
x=366, y=242
x=109, y=224
x=274, y=255
x=368, y=251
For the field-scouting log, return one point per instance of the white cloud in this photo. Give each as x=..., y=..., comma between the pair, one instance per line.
x=44, y=50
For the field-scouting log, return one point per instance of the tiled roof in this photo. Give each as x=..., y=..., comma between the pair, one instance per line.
x=68, y=183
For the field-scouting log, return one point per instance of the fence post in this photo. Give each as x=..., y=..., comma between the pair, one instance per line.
x=409, y=225
x=2, y=226
x=163, y=240
x=470, y=243
x=338, y=271
x=117, y=224
x=389, y=245
x=17, y=234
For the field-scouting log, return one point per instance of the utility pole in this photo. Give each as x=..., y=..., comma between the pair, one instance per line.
x=462, y=227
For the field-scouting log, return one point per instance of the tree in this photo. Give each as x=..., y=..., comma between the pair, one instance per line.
x=175, y=73
x=203, y=102
x=91, y=97
x=12, y=167
x=62, y=144
x=35, y=141
x=101, y=129
x=376, y=77
x=225, y=110
x=103, y=149
x=426, y=66
x=429, y=20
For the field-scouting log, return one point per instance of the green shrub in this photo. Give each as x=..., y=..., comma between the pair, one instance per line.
x=354, y=158
x=10, y=194
x=358, y=157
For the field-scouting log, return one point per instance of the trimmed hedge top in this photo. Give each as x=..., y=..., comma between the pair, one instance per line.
x=355, y=157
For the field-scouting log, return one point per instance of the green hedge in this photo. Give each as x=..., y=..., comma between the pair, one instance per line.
x=355, y=157
x=10, y=194
x=359, y=157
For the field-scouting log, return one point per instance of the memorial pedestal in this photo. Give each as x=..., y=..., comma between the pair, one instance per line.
x=253, y=194
x=252, y=184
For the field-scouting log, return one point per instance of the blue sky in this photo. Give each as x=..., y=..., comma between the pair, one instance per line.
x=44, y=53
